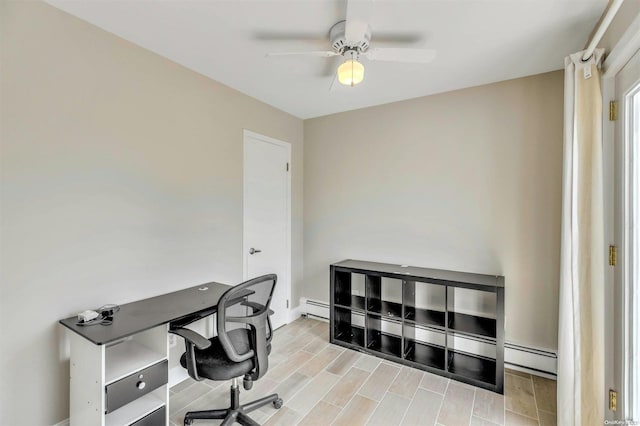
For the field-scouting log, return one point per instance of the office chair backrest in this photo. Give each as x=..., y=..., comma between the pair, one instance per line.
x=247, y=305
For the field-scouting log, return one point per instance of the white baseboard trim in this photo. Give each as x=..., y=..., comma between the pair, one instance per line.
x=296, y=312
x=65, y=422
x=541, y=362
x=313, y=308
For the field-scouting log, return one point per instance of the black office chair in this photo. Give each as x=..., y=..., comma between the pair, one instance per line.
x=241, y=348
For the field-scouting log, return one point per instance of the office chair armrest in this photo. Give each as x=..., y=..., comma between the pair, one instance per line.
x=192, y=337
x=256, y=306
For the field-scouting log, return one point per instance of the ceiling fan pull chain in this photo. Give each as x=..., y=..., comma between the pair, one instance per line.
x=352, y=77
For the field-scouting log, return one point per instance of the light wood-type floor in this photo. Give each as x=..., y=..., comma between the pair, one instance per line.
x=324, y=384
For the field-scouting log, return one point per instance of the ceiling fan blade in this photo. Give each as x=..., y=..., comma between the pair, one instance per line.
x=355, y=31
x=393, y=54
x=291, y=36
x=333, y=82
x=378, y=38
x=358, y=16
x=330, y=67
x=318, y=53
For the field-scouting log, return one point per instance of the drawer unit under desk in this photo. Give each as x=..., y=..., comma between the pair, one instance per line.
x=132, y=387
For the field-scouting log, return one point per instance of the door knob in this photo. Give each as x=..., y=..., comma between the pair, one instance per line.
x=254, y=251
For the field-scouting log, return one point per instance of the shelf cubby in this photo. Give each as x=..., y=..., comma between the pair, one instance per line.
x=384, y=296
x=353, y=335
x=350, y=290
x=424, y=353
x=348, y=326
x=446, y=322
x=385, y=343
x=125, y=357
x=424, y=346
x=472, y=324
x=424, y=303
x=472, y=312
x=472, y=366
x=424, y=316
x=387, y=309
x=137, y=409
x=384, y=336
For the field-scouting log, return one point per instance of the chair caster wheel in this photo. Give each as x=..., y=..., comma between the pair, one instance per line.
x=277, y=403
x=187, y=422
x=247, y=384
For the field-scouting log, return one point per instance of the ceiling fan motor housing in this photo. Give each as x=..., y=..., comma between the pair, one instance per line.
x=339, y=42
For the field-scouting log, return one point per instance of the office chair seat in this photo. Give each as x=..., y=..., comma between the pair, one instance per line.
x=215, y=365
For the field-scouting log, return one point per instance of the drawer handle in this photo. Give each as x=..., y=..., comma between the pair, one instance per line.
x=140, y=385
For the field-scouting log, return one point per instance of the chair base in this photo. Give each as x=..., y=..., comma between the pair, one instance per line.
x=236, y=412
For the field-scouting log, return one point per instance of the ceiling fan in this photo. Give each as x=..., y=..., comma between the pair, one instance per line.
x=350, y=39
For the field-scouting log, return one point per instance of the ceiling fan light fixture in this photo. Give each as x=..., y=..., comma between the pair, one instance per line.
x=350, y=72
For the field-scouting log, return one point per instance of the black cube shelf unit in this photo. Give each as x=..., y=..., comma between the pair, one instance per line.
x=368, y=320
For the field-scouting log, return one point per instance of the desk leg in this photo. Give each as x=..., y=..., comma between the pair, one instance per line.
x=86, y=382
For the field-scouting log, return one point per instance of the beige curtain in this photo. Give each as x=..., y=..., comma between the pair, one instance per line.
x=581, y=316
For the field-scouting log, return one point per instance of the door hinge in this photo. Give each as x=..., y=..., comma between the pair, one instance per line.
x=613, y=110
x=287, y=166
x=613, y=255
x=287, y=303
x=613, y=400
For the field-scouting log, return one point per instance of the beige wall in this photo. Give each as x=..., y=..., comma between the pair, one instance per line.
x=121, y=178
x=468, y=180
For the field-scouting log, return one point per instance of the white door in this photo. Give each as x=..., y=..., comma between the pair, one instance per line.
x=267, y=194
x=627, y=135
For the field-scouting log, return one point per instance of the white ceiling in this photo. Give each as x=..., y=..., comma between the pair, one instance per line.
x=478, y=42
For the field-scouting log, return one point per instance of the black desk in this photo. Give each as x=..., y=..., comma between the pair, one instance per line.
x=108, y=362
x=145, y=314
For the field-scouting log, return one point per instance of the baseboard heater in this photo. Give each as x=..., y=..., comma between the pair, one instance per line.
x=540, y=362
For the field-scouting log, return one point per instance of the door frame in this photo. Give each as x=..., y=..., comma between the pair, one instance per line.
x=615, y=293
x=245, y=246
x=629, y=274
